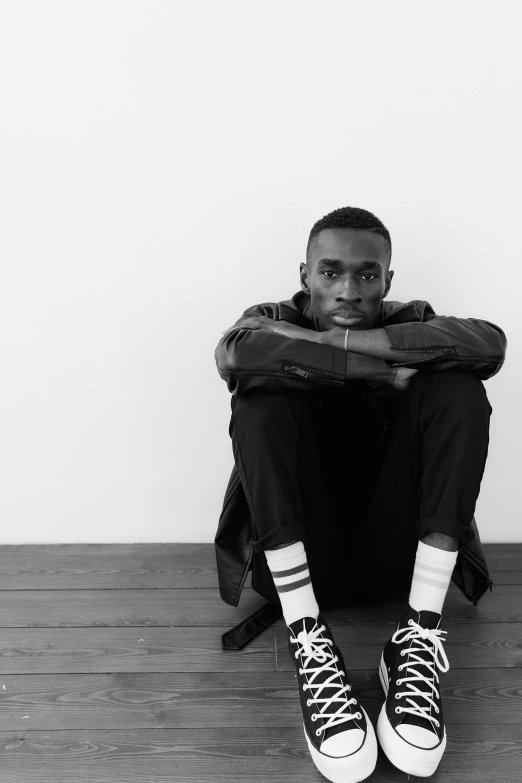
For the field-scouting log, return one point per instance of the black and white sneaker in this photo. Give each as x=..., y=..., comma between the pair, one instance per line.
x=340, y=736
x=411, y=726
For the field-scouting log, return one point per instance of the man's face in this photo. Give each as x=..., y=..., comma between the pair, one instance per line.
x=339, y=276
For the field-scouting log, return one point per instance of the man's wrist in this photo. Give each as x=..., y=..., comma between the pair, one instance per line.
x=372, y=342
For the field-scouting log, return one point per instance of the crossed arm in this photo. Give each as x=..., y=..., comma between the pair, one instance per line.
x=372, y=342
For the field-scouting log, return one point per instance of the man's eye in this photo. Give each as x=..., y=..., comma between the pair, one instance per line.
x=367, y=274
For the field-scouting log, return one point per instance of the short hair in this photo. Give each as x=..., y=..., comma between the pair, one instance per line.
x=350, y=217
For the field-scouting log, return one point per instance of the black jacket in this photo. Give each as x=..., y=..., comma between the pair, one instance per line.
x=249, y=359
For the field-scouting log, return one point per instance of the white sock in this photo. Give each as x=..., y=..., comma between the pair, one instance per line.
x=289, y=569
x=431, y=578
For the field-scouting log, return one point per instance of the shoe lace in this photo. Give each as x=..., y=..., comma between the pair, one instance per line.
x=415, y=632
x=315, y=647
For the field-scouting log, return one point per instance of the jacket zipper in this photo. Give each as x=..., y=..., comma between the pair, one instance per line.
x=419, y=361
x=326, y=376
x=443, y=355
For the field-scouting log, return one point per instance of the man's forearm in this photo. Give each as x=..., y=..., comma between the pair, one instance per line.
x=372, y=342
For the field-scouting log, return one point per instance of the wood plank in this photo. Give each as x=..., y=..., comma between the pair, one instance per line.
x=238, y=699
x=474, y=753
x=148, y=607
x=77, y=650
x=467, y=645
x=106, y=566
x=156, y=565
x=506, y=578
x=198, y=649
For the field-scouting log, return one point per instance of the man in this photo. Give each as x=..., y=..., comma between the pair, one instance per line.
x=347, y=456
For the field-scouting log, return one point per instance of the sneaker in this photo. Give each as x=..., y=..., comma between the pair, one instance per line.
x=411, y=727
x=339, y=734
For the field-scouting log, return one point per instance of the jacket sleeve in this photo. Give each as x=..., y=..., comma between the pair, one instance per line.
x=468, y=344
x=249, y=359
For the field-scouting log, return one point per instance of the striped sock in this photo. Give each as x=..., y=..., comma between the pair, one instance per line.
x=431, y=578
x=289, y=569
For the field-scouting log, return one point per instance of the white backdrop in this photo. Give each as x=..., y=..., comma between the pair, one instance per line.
x=161, y=166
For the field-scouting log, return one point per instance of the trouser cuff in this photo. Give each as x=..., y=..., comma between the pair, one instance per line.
x=283, y=534
x=451, y=527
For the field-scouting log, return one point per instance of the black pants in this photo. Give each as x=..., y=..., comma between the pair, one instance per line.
x=315, y=468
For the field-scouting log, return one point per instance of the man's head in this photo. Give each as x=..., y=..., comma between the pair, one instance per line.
x=347, y=268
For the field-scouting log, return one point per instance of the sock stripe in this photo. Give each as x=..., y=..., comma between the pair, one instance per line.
x=288, y=580
x=431, y=577
x=293, y=582
x=293, y=585
x=431, y=582
x=434, y=569
x=290, y=571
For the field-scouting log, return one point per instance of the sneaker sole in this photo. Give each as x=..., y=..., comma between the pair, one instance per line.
x=402, y=754
x=348, y=769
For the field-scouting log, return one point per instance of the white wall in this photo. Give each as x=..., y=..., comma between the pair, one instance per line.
x=161, y=166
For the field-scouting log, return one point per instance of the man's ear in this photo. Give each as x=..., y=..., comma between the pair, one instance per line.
x=387, y=287
x=304, y=277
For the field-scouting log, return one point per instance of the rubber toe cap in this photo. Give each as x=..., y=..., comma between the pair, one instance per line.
x=416, y=735
x=344, y=743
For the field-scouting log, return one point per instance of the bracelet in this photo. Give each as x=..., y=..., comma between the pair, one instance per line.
x=346, y=340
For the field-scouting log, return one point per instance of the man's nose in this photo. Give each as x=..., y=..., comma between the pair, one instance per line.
x=348, y=290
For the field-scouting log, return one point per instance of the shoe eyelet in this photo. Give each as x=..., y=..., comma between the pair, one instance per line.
x=358, y=716
x=301, y=671
x=318, y=732
x=397, y=696
x=397, y=710
x=313, y=717
x=305, y=687
x=437, y=724
x=410, y=622
x=308, y=702
x=398, y=682
x=403, y=652
x=437, y=710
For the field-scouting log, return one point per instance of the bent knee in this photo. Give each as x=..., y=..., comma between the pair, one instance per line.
x=266, y=406
x=461, y=388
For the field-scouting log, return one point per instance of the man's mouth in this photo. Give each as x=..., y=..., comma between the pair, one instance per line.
x=345, y=316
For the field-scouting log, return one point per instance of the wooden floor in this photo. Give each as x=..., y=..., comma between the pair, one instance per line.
x=112, y=670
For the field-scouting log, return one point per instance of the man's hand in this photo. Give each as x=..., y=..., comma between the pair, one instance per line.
x=402, y=377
